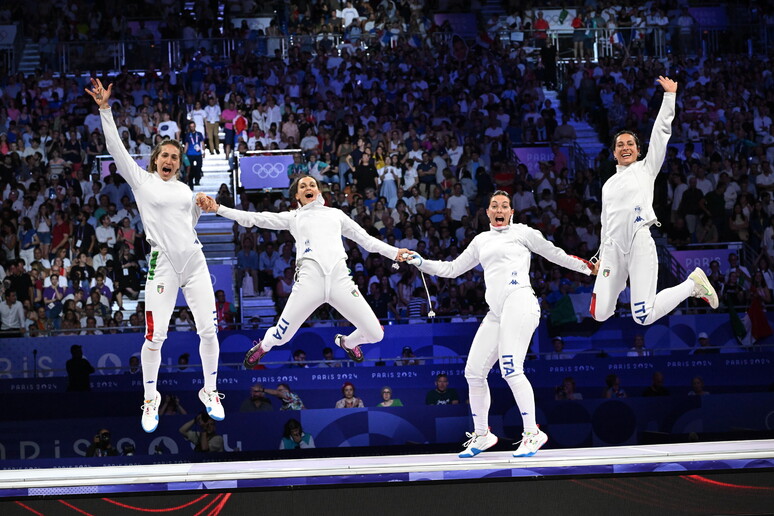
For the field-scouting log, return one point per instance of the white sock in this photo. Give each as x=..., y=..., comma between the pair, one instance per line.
x=668, y=299
x=525, y=400
x=480, y=400
x=357, y=338
x=209, y=352
x=150, y=359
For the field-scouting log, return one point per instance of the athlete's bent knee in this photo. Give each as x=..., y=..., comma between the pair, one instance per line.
x=596, y=313
x=376, y=334
x=153, y=344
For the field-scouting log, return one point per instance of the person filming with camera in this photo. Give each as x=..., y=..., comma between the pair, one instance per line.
x=101, y=445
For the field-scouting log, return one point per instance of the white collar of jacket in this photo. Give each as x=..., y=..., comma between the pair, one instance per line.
x=319, y=201
x=500, y=229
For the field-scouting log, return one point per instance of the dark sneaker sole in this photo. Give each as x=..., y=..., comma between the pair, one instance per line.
x=355, y=353
x=254, y=356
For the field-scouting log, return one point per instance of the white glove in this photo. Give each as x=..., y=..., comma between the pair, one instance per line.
x=413, y=259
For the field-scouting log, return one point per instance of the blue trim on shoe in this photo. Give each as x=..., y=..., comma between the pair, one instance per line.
x=154, y=428
x=474, y=451
x=213, y=417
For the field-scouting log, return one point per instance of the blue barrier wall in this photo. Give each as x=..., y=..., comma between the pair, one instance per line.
x=727, y=372
x=51, y=423
x=568, y=423
x=671, y=335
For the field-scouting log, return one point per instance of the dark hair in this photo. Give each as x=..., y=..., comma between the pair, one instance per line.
x=292, y=424
x=636, y=141
x=294, y=186
x=157, y=151
x=500, y=192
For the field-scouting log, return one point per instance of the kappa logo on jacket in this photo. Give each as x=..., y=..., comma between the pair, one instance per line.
x=638, y=211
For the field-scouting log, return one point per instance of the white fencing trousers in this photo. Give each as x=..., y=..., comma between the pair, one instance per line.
x=640, y=265
x=313, y=288
x=160, y=297
x=505, y=338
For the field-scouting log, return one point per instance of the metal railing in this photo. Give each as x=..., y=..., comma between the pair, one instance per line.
x=654, y=41
x=669, y=264
x=580, y=160
x=77, y=56
x=9, y=54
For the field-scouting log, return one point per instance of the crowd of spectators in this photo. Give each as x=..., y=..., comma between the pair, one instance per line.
x=409, y=141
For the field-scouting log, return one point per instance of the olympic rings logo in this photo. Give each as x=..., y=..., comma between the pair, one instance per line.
x=268, y=170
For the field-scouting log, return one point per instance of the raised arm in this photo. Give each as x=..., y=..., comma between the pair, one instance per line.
x=353, y=231
x=662, y=128
x=126, y=166
x=460, y=265
x=266, y=220
x=537, y=243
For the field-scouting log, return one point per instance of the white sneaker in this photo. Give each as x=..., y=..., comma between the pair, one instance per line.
x=211, y=400
x=530, y=444
x=477, y=443
x=150, y=413
x=703, y=288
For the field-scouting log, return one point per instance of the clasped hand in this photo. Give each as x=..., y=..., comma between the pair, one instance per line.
x=206, y=203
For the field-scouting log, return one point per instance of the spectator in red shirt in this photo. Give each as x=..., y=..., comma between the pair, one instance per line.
x=540, y=28
x=63, y=228
x=224, y=310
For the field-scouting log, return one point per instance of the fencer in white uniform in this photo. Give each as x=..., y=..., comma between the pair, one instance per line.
x=169, y=213
x=626, y=248
x=504, y=252
x=322, y=275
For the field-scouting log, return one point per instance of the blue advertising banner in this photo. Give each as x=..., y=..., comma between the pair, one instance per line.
x=7, y=34
x=532, y=156
x=330, y=428
x=692, y=258
x=19, y=357
x=443, y=345
x=714, y=17
x=597, y=422
x=262, y=172
x=321, y=385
